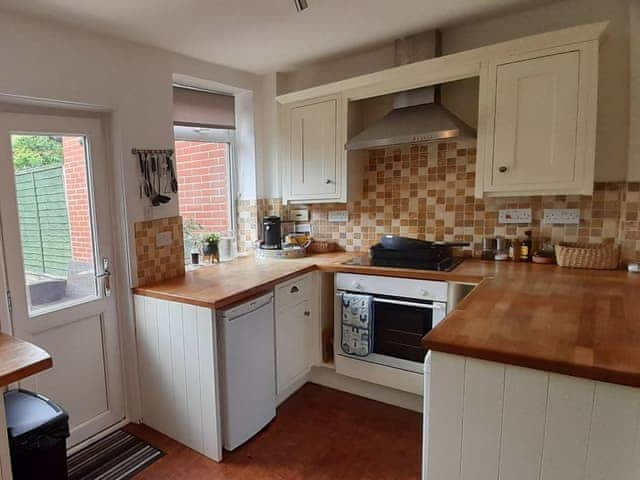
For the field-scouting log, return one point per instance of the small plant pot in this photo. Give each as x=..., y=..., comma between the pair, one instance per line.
x=210, y=249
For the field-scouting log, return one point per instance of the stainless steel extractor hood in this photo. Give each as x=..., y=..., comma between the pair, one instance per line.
x=411, y=122
x=417, y=115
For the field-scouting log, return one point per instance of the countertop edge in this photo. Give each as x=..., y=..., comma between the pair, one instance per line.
x=596, y=373
x=149, y=291
x=36, y=360
x=26, y=371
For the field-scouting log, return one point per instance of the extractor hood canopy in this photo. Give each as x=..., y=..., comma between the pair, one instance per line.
x=417, y=115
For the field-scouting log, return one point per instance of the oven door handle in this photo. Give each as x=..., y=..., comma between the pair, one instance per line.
x=432, y=306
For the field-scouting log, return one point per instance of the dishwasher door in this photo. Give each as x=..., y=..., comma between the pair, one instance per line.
x=247, y=354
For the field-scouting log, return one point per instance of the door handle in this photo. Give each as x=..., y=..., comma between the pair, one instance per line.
x=105, y=276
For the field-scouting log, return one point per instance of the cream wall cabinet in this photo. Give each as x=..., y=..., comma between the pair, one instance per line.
x=536, y=118
x=312, y=149
x=540, y=130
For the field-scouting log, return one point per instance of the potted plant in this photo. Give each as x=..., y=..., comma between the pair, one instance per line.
x=210, y=245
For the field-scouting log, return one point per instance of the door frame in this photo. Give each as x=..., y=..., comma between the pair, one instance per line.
x=102, y=123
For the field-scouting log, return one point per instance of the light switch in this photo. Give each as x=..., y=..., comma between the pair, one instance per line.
x=514, y=215
x=163, y=239
x=565, y=216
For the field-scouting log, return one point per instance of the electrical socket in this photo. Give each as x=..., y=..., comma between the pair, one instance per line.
x=565, y=216
x=338, y=216
x=300, y=215
x=514, y=215
x=163, y=239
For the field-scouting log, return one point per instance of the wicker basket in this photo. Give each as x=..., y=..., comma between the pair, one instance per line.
x=322, y=246
x=595, y=256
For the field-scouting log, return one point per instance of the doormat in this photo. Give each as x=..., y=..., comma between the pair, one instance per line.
x=118, y=456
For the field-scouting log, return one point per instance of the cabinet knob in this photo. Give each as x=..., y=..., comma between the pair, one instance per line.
x=307, y=313
x=294, y=289
x=502, y=169
x=328, y=181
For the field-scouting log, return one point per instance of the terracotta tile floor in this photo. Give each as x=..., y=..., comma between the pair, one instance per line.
x=319, y=433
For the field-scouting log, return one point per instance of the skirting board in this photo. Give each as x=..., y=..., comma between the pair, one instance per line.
x=329, y=378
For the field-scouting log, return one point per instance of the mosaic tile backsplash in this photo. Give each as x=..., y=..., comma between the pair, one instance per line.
x=159, y=263
x=427, y=191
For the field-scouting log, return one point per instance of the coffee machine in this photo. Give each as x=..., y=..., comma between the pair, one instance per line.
x=272, y=232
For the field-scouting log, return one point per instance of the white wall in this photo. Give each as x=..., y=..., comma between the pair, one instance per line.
x=132, y=83
x=268, y=171
x=613, y=106
x=332, y=70
x=53, y=61
x=634, y=92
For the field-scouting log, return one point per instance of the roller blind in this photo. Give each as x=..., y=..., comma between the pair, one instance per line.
x=195, y=108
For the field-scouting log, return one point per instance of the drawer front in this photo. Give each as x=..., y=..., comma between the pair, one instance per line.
x=293, y=291
x=396, y=287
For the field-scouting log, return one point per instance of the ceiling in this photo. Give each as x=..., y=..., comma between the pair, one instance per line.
x=263, y=36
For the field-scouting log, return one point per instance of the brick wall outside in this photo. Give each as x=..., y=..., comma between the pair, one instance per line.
x=203, y=184
x=75, y=175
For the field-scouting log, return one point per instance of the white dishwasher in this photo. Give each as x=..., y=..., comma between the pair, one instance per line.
x=247, y=369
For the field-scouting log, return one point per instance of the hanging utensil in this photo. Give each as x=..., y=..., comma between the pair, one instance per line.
x=143, y=181
x=172, y=173
x=155, y=166
x=151, y=173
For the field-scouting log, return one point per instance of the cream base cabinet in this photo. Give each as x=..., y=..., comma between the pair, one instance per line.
x=294, y=330
x=541, y=122
x=489, y=421
x=177, y=356
x=312, y=149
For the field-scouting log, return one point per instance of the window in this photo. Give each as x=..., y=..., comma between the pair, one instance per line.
x=204, y=167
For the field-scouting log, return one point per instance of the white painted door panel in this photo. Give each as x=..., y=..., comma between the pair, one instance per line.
x=446, y=397
x=484, y=387
x=536, y=115
x=523, y=418
x=615, y=429
x=570, y=403
x=79, y=328
x=313, y=168
x=292, y=353
x=179, y=373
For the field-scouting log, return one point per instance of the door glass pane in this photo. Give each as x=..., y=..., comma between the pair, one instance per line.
x=55, y=221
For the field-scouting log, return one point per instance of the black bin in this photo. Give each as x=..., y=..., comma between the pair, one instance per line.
x=38, y=429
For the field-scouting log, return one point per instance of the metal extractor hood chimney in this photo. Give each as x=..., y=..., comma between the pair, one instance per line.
x=417, y=115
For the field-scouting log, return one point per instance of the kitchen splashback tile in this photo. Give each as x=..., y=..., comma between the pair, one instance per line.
x=159, y=263
x=427, y=191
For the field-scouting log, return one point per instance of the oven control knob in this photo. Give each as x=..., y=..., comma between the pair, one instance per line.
x=424, y=292
x=356, y=286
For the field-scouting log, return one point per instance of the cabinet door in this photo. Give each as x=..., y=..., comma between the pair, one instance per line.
x=313, y=167
x=292, y=352
x=536, y=117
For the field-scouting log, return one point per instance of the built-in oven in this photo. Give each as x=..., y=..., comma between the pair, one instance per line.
x=402, y=311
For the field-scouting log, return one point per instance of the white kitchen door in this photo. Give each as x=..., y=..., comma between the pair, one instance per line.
x=57, y=243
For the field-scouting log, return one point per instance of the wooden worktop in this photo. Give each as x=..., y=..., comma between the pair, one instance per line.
x=220, y=285
x=20, y=359
x=584, y=323
x=578, y=322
